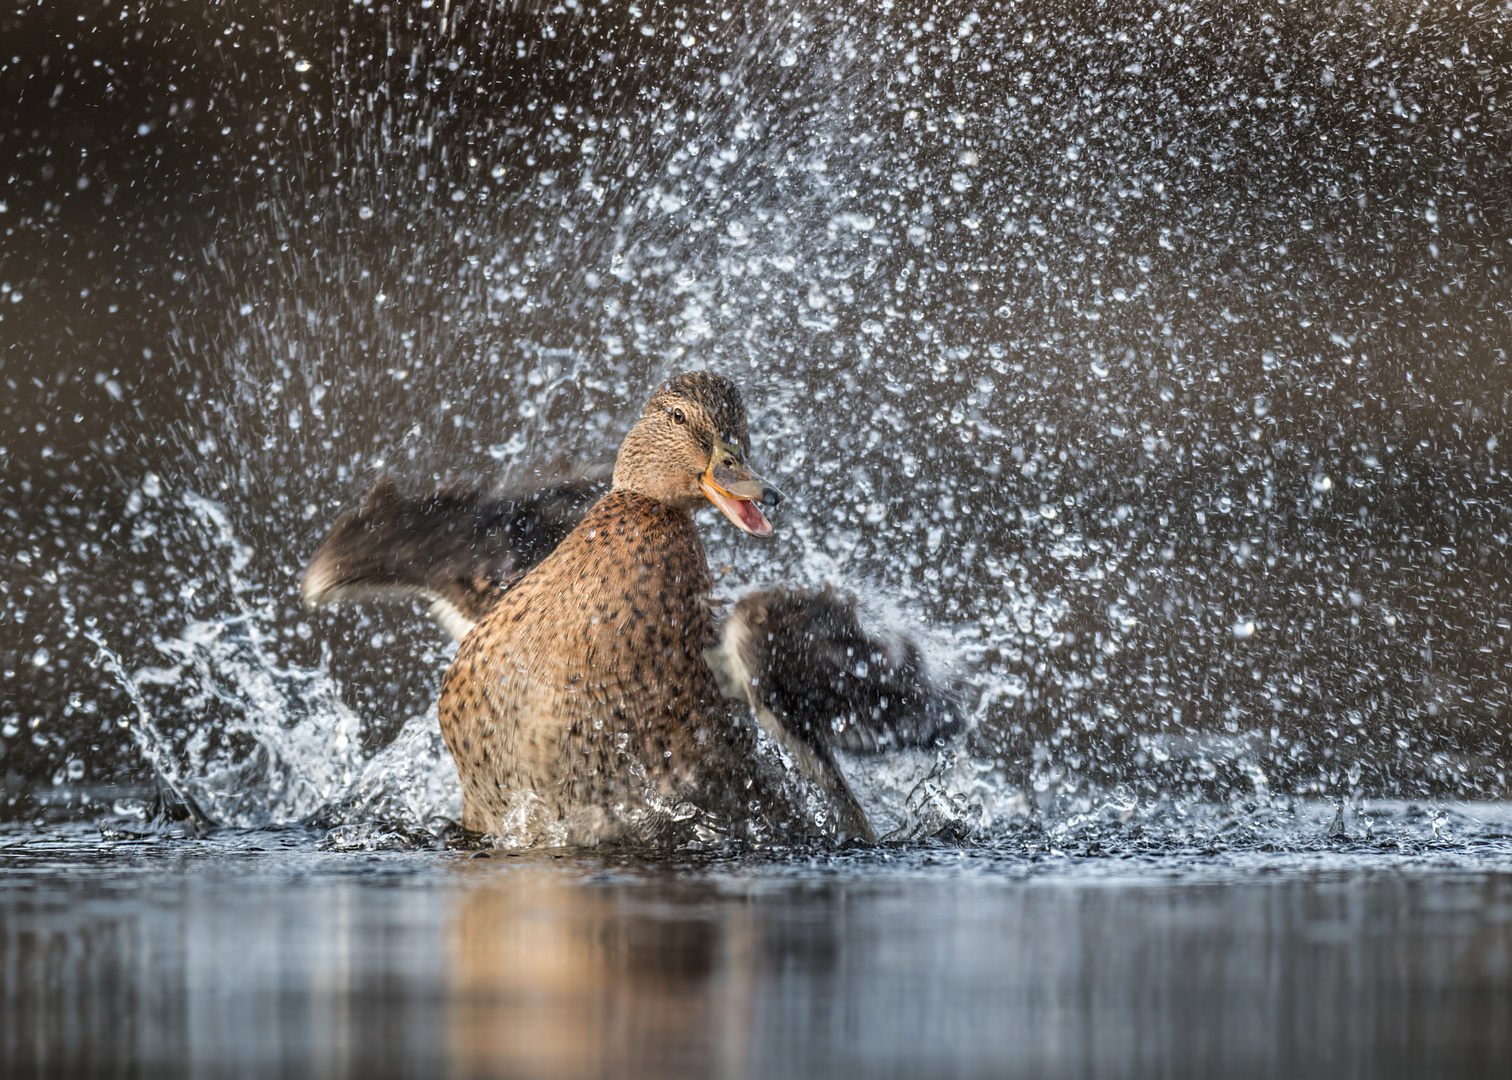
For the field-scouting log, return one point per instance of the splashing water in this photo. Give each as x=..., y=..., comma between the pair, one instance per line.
x=1149, y=365
x=282, y=745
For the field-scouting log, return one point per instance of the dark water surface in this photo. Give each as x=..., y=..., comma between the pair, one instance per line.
x=254, y=953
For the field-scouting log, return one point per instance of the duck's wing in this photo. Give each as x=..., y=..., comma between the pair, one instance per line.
x=820, y=682
x=459, y=547
x=804, y=654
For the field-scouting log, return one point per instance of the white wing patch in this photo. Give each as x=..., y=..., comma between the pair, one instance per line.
x=451, y=619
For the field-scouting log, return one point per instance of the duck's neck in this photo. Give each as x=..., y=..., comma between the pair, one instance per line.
x=629, y=501
x=645, y=467
x=630, y=539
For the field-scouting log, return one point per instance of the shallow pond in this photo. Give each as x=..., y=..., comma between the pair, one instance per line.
x=256, y=953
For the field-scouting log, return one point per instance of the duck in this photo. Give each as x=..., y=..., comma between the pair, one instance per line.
x=599, y=693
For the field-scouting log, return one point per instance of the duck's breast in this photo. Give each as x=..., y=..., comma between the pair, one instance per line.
x=591, y=669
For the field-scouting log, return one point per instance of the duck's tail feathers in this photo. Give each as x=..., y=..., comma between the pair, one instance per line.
x=460, y=547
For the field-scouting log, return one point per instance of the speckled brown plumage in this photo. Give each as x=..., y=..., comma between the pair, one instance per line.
x=581, y=709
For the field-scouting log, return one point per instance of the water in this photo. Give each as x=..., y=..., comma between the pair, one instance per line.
x=257, y=954
x=1148, y=363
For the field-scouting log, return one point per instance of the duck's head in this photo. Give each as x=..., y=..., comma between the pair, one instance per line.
x=689, y=445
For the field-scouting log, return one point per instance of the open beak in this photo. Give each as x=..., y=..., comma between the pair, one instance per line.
x=740, y=494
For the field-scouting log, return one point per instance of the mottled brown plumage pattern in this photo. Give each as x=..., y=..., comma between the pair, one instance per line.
x=581, y=709
x=721, y=401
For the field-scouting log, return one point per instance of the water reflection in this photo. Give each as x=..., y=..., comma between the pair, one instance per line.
x=550, y=979
x=124, y=964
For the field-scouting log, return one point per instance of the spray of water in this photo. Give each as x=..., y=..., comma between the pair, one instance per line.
x=1147, y=364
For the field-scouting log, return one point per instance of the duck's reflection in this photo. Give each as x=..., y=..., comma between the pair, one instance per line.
x=548, y=978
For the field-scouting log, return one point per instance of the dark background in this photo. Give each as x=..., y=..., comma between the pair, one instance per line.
x=1084, y=336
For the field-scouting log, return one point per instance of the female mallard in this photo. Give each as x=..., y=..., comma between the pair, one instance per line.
x=582, y=707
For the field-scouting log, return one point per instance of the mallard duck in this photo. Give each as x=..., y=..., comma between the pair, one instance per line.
x=590, y=698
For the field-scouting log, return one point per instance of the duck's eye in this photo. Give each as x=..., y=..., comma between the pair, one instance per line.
x=679, y=417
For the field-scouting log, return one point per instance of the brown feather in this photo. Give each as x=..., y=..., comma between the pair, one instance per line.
x=581, y=707
x=461, y=546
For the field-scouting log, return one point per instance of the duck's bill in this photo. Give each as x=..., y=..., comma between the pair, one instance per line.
x=745, y=513
x=739, y=493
